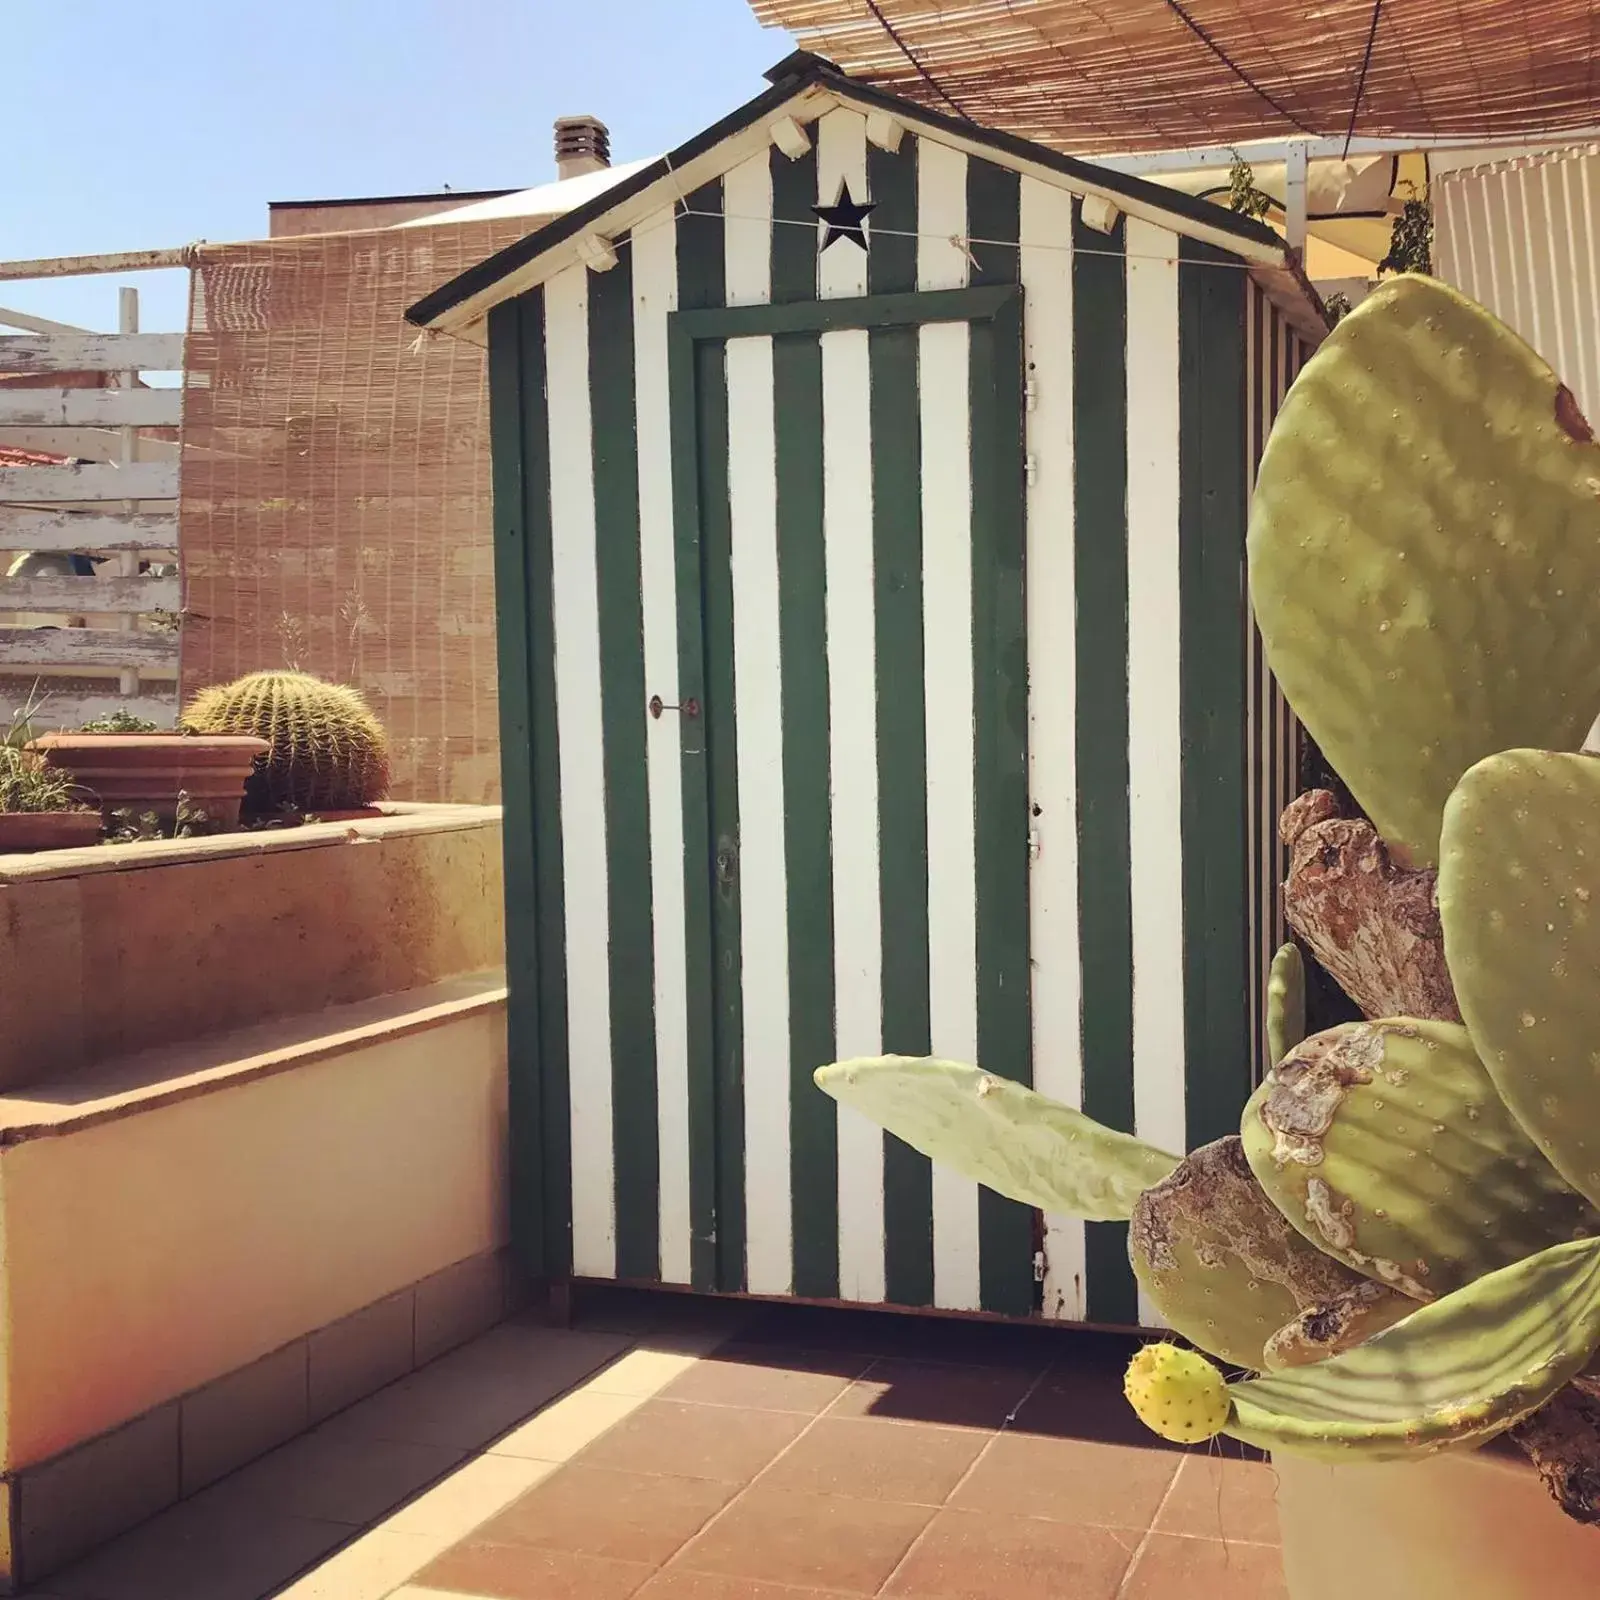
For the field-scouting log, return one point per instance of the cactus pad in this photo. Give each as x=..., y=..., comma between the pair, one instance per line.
x=1455, y=1372
x=329, y=753
x=1343, y=1322
x=1219, y=1260
x=1519, y=892
x=1386, y=1145
x=1022, y=1145
x=1177, y=1393
x=1286, y=1002
x=1424, y=550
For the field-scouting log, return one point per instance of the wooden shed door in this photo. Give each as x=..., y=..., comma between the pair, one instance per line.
x=848, y=478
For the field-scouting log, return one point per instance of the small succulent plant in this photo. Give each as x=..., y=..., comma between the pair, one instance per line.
x=329, y=753
x=1401, y=1247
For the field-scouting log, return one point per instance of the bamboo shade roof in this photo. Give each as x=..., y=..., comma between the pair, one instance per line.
x=1112, y=76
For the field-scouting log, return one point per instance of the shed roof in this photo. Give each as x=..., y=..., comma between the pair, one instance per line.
x=804, y=87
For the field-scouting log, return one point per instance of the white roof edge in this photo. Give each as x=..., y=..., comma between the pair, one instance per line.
x=466, y=320
x=545, y=200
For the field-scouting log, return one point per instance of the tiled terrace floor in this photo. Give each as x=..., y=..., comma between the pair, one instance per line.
x=713, y=1452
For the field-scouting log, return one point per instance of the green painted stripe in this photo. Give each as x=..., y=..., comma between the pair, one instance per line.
x=635, y=1130
x=516, y=784
x=808, y=850
x=868, y=311
x=902, y=729
x=701, y=283
x=1212, y=387
x=549, y=894
x=1105, y=912
x=1008, y=1233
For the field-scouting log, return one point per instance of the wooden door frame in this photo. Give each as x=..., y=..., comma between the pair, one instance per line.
x=715, y=1096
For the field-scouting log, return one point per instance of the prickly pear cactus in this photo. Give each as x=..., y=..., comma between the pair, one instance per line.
x=1020, y=1144
x=1386, y=1145
x=1177, y=1393
x=1519, y=892
x=1220, y=1263
x=329, y=753
x=1340, y=1323
x=1454, y=1373
x=1286, y=1002
x=1424, y=553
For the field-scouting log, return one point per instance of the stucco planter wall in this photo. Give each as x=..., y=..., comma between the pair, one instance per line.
x=252, y=1150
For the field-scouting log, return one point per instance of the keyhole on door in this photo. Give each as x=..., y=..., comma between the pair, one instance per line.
x=727, y=861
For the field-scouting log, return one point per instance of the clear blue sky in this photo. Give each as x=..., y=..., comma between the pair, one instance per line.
x=139, y=124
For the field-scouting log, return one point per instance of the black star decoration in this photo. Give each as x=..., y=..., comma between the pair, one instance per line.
x=844, y=217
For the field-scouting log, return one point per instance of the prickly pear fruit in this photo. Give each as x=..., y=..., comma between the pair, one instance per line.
x=1177, y=1393
x=1386, y=1145
x=1286, y=1002
x=1219, y=1260
x=1455, y=1372
x=1022, y=1145
x=1519, y=891
x=1423, y=553
x=1341, y=1323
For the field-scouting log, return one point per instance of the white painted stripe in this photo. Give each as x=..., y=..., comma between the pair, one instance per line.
x=941, y=216
x=853, y=752
x=1154, y=707
x=655, y=296
x=763, y=894
x=841, y=157
x=852, y=708
x=747, y=247
x=944, y=356
x=583, y=788
x=1046, y=224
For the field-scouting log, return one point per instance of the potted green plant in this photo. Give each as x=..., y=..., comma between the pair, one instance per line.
x=326, y=756
x=129, y=765
x=38, y=807
x=1400, y=1249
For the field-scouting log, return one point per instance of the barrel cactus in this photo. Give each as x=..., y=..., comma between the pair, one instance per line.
x=1402, y=1245
x=329, y=753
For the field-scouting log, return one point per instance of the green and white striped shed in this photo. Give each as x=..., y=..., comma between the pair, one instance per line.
x=877, y=677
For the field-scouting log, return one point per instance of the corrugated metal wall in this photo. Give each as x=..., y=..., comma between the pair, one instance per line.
x=1519, y=237
x=934, y=780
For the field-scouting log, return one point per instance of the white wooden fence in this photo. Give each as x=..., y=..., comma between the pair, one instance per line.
x=115, y=499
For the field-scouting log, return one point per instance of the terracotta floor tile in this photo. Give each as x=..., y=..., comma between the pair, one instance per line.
x=173, y=1558
x=469, y=1397
x=683, y=1585
x=763, y=1379
x=1068, y=1480
x=677, y=1440
x=914, y=1464
x=465, y=1499
x=1081, y=1398
x=628, y=1516
x=514, y=1572
x=966, y=1555
x=330, y=1475
x=950, y=1395
x=368, y=1569
x=806, y=1540
x=641, y=1373
x=1172, y=1568
x=566, y=1426
x=1219, y=1499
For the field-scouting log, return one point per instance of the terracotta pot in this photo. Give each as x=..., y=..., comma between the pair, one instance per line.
x=47, y=830
x=142, y=772
x=1474, y=1525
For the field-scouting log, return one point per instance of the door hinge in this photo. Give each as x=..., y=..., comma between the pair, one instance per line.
x=1030, y=395
x=1034, y=846
x=1038, y=1266
x=1030, y=469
